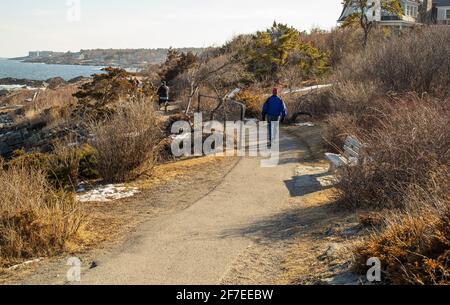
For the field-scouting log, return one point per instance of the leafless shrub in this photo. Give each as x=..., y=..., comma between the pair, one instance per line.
x=418, y=61
x=317, y=103
x=125, y=142
x=355, y=97
x=347, y=97
x=409, y=145
x=338, y=127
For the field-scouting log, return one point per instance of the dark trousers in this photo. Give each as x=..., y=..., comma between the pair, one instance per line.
x=163, y=100
x=271, y=127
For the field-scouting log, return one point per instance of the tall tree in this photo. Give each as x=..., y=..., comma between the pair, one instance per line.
x=177, y=63
x=272, y=50
x=361, y=13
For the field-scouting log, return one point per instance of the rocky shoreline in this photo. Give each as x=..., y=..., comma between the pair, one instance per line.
x=30, y=136
x=9, y=84
x=22, y=82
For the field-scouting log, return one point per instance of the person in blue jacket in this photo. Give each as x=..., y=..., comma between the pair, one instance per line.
x=274, y=110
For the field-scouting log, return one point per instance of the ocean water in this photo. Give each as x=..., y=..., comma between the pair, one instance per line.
x=17, y=69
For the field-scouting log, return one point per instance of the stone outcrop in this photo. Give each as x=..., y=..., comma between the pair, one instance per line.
x=22, y=82
x=29, y=137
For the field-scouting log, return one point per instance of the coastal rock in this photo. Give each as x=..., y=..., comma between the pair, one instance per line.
x=22, y=82
x=4, y=92
x=55, y=82
x=77, y=79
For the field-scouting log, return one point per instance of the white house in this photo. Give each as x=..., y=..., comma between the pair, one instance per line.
x=375, y=13
x=414, y=12
x=437, y=11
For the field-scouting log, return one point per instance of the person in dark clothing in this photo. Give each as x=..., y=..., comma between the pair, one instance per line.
x=274, y=110
x=163, y=94
x=136, y=82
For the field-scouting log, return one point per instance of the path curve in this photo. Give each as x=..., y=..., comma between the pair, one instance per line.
x=198, y=245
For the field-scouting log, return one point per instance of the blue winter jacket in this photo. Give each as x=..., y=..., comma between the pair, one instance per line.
x=274, y=107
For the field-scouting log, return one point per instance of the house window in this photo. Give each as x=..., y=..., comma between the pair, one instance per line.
x=447, y=15
x=411, y=10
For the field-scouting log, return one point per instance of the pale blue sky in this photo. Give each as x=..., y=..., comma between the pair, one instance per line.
x=42, y=25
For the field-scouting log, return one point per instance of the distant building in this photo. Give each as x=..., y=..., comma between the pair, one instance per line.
x=45, y=53
x=377, y=14
x=40, y=54
x=414, y=12
x=33, y=54
x=437, y=11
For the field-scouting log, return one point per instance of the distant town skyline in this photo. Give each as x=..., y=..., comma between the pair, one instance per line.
x=71, y=25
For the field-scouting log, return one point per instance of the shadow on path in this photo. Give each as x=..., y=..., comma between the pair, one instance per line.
x=285, y=225
x=306, y=184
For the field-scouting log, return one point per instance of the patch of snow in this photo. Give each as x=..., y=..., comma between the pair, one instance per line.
x=106, y=193
x=306, y=89
x=307, y=124
x=16, y=87
x=25, y=264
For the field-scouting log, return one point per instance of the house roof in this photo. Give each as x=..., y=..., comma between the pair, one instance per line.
x=441, y=2
x=342, y=17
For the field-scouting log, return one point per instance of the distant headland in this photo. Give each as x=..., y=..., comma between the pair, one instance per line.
x=125, y=58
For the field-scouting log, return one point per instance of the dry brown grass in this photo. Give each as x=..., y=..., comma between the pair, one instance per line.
x=35, y=221
x=50, y=107
x=64, y=167
x=414, y=246
x=125, y=142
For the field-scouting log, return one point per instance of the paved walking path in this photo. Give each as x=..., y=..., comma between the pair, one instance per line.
x=198, y=245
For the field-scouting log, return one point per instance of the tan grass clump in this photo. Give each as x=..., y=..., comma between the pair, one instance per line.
x=414, y=247
x=50, y=107
x=35, y=221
